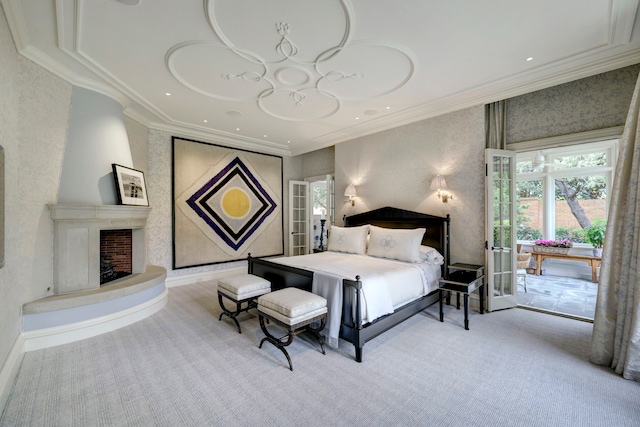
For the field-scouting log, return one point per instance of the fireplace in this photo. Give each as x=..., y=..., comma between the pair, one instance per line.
x=78, y=248
x=115, y=255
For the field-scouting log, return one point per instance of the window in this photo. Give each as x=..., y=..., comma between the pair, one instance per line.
x=561, y=191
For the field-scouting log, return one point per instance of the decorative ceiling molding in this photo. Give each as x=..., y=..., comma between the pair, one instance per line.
x=303, y=70
x=288, y=86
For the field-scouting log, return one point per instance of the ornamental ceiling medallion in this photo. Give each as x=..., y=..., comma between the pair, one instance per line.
x=295, y=59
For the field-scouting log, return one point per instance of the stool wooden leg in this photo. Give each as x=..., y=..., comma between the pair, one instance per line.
x=316, y=334
x=230, y=314
x=279, y=343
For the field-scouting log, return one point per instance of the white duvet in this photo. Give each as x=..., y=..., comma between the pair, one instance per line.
x=386, y=284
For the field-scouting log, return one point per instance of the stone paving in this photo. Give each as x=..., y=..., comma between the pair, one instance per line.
x=565, y=295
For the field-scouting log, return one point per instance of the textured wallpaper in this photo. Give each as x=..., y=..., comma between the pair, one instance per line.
x=34, y=112
x=319, y=162
x=395, y=168
x=597, y=102
x=138, y=135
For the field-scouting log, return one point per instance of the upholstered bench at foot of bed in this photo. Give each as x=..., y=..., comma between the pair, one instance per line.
x=296, y=311
x=243, y=288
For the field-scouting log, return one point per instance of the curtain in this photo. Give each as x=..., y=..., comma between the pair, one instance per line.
x=495, y=125
x=616, y=326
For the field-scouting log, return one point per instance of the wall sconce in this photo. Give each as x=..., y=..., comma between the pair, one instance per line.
x=350, y=192
x=440, y=184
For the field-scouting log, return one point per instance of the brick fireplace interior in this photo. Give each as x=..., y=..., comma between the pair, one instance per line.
x=115, y=254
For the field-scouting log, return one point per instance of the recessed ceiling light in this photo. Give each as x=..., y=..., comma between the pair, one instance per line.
x=357, y=118
x=388, y=108
x=237, y=128
x=264, y=136
x=234, y=113
x=530, y=58
x=205, y=121
x=288, y=142
x=167, y=93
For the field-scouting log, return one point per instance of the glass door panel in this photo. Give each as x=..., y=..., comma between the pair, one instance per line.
x=299, y=235
x=500, y=214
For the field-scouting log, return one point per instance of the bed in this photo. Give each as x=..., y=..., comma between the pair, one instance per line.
x=354, y=325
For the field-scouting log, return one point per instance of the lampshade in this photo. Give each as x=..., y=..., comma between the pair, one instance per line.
x=538, y=160
x=350, y=191
x=438, y=183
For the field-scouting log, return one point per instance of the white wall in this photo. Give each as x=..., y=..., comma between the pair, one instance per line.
x=96, y=139
x=395, y=168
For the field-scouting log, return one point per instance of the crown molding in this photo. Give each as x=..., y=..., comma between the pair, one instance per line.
x=217, y=137
x=479, y=95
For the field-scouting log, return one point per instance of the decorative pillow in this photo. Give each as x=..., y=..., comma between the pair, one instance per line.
x=400, y=244
x=352, y=240
x=431, y=255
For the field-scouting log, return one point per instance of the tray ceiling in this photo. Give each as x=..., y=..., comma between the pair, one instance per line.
x=292, y=76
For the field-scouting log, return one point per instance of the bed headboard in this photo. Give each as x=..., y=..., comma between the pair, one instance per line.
x=436, y=236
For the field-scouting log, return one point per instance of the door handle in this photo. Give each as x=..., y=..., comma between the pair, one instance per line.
x=499, y=248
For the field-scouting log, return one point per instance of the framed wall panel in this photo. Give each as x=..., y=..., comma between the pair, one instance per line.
x=227, y=203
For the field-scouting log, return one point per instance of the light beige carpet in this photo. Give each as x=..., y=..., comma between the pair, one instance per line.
x=182, y=366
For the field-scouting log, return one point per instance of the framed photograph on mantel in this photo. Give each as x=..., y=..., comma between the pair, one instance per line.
x=130, y=186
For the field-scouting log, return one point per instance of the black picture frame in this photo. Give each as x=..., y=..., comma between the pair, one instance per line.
x=130, y=186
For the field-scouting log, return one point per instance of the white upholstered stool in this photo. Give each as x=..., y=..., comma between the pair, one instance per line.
x=244, y=288
x=295, y=310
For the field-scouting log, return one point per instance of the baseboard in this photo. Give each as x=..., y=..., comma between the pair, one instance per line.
x=9, y=370
x=50, y=337
x=190, y=279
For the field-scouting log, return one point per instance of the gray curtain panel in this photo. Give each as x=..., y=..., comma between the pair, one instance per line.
x=616, y=327
x=495, y=125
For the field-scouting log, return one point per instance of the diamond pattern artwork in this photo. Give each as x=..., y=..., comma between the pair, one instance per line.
x=233, y=204
x=227, y=204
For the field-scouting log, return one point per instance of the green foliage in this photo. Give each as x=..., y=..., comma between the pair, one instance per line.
x=497, y=230
x=575, y=234
x=527, y=233
x=319, y=198
x=594, y=234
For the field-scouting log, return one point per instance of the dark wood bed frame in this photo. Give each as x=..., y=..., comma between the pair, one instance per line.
x=352, y=328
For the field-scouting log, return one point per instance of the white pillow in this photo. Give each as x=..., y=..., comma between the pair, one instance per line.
x=400, y=244
x=352, y=240
x=431, y=255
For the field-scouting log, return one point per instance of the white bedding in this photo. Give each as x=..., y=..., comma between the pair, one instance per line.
x=386, y=284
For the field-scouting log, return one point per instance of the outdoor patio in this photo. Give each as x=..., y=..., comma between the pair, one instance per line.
x=565, y=295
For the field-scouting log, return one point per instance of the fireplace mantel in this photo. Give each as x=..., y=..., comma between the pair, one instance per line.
x=77, y=242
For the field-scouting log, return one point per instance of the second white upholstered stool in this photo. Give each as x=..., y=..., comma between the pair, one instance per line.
x=296, y=311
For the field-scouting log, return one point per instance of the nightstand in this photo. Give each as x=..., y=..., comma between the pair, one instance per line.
x=463, y=279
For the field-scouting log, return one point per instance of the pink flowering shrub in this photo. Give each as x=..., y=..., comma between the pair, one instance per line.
x=564, y=243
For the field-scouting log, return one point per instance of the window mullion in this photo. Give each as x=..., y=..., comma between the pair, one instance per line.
x=549, y=207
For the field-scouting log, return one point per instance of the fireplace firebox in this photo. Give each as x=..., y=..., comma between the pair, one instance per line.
x=115, y=255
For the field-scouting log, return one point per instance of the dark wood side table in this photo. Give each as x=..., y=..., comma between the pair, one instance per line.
x=463, y=279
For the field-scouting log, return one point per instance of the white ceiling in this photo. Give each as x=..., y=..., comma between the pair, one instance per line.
x=292, y=76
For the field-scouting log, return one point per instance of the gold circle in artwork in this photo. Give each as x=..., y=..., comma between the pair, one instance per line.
x=236, y=203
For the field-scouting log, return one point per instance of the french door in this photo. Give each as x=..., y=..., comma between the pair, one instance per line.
x=500, y=184
x=299, y=218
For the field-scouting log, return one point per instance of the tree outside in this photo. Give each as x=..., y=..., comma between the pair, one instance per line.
x=582, y=198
